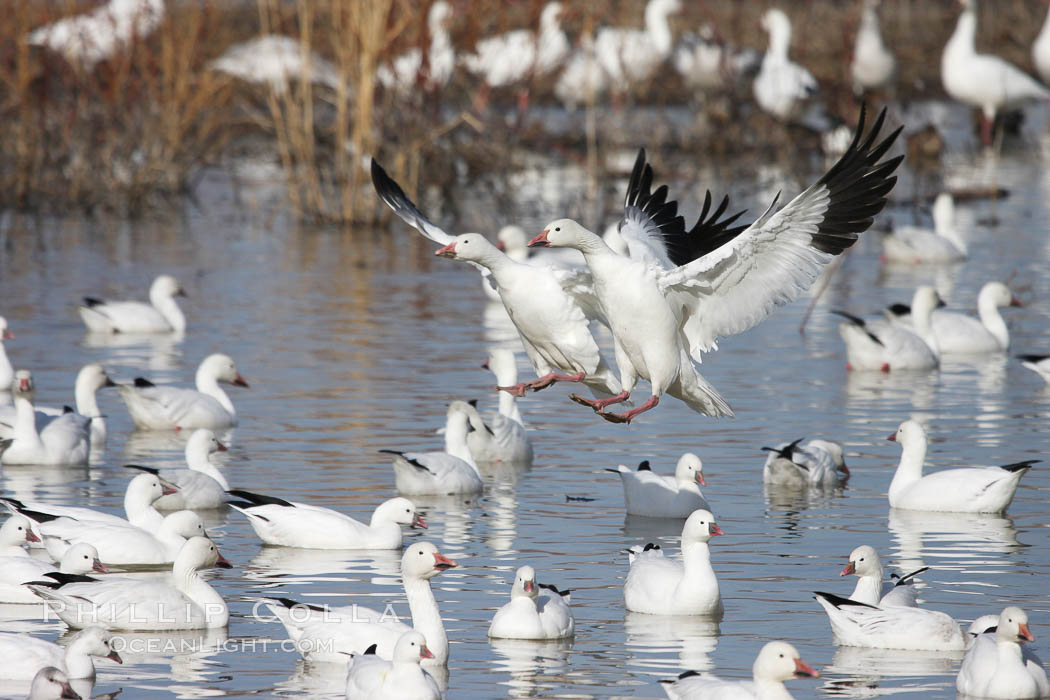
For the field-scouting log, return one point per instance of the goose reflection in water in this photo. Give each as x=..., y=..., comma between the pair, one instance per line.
x=653, y=639
x=857, y=672
x=964, y=541
x=156, y=353
x=529, y=663
x=292, y=565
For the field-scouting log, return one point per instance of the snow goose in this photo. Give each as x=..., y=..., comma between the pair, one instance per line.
x=983, y=81
x=406, y=71
x=187, y=601
x=505, y=442
x=549, y=306
x=864, y=563
x=119, y=545
x=7, y=372
x=448, y=472
x=276, y=61
x=583, y=78
x=968, y=490
x=86, y=39
x=289, y=524
x=998, y=666
x=782, y=88
x=51, y=683
x=679, y=291
x=513, y=241
x=502, y=363
x=961, y=334
x=873, y=66
x=23, y=656
x=202, y=486
x=705, y=63
x=776, y=662
x=517, y=56
x=916, y=245
x=881, y=345
x=328, y=634
x=18, y=570
x=657, y=585
x=64, y=441
x=858, y=624
x=370, y=677
x=629, y=56
x=160, y=315
x=165, y=407
x=817, y=463
x=664, y=495
x=1040, y=364
x=90, y=379
x=1041, y=50
x=531, y=614
x=15, y=532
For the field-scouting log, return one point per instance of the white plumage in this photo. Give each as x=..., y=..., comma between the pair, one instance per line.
x=861, y=625
x=161, y=315
x=518, y=55
x=1040, y=364
x=873, y=66
x=957, y=333
x=202, y=486
x=23, y=656
x=998, y=666
x=817, y=463
x=776, y=662
x=664, y=495
x=534, y=611
x=92, y=37
x=448, y=472
x=865, y=564
x=155, y=407
x=370, y=677
x=17, y=570
x=782, y=87
x=404, y=72
x=7, y=372
x=917, y=245
x=881, y=345
x=276, y=61
x=64, y=440
x=629, y=56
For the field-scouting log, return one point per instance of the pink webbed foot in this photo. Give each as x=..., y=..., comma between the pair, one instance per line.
x=628, y=416
x=517, y=390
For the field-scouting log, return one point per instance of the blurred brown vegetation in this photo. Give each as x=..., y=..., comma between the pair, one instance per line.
x=140, y=127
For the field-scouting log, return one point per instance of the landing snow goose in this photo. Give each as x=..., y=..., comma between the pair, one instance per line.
x=873, y=66
x=405, y=72
x=120, y=545
x=783, y=88
x=90, y=379
x=657, y=585
x=202, y=486
x=1040, y=364
x=370, y=677
x=776, y=662
x=535, y=611
x=916, y=245
x=983, y=81
x=434, y=473
x=857, y=624
x=1041, y=50
x=680, y=290
x=51, y=683
x=817, y=463
x=328, y=634
x=958, y=333
x=24, y=656
x=501, y=437
x=968, y=490
x=184, y=602
x=15, y=571
x=64, y=441
x=880, y=345
x=276, y=61
x=155, y=407
x=664, y=495
x=550, y=306
x=284, y=523
x=7, y=372
x=86, y=39
x=629, y=56
x=865, y=564
x=998, y=666
x=161, y=315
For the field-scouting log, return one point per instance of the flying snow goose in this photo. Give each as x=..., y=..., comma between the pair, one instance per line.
x=160, y=315
x=15, y=571
x=998, y=666
x=202, y=486
x=679, y=291
x=405, y=72
x=782, y=87
x=881, y=345
x=1041, y=50
x=503, y=437
x=51, y=683
x=916, y=245
x=453, y=471
x=664, y=495
x=64, y=441
x=873, y=66
x=657, y=585
x=24, y=656
x=120, y=545
x=857, y=624
x=88, y=38
x=967, y=490
x=961, y=334
x=155, y=407
x=549, y=306
x=370, y=677
x=277, y=61
x=817, y=463
x=865, y=564
x=533, y=613
x=705, y=63
x=328, y=634
x=776, y=662
x=629, y=56
x=184, y=602
x=280, y=522
x=983, y=81
x=7, y=372
x=1040, y=364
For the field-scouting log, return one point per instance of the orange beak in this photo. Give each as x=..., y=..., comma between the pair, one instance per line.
x=31, y=536
x=223, y=563
x=715, y=530
x=804, y=669
x=168, y=489
x=23, y=385
x=114, y=656
x=892, y=438
x=239, y=381
x=425, y=653
x=418, y=522
x=700, y=479
x=448, y=251
x=851, y=568
x=1024, y=633
x=223, y=448
x=443, y=563
x=98, y=566
x=501, y=246
x=540, y=241
x=530, y=586
x=1014, y=301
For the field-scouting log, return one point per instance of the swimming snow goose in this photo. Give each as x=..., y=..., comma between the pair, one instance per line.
x=15, y=571
x=503, y=437
x=679, y=291
x=857, y=624
x=961, y=334
x=550, y=306
x=776, y=662
x=202, y=486
x=405, y=72
x=533, y=613
x=186, y=601
x=968, y=490
x=983, y=81
x=64, y=441
x=629, y=56
x=664, y=495
x=448, y=472
x=873, y=66
x=370, y=677
x=657, y=585
x=998, y=666
x=864, y=563
x=155, y=407
x=7, y=372
x=16, y=531
x=817, y=463
x=782, y=87
x=160, y=315
x=24, y=656
x=90, y=379
x=51, y=683
x=916, y=245
x=328, y=634
x=1040, y=364
x=119, y=545
x=280, y=522
x=881, y=345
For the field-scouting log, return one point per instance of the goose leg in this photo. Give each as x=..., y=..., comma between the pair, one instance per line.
x=542, y=382
x=599, y=404
x=628, y=416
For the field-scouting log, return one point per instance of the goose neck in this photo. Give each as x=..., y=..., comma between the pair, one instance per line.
x=189, y=581
x=78, y=663
x=456, y=437
x=25, y=421
x=426, y=617
x=208, y=384
x=963, y=38
x=992, y=320
x=909, y=469
x=658, y=28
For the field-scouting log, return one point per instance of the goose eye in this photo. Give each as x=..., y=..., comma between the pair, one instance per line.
x=558, y=228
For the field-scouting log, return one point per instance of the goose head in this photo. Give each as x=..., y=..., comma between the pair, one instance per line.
x=700, y=526
x=203, y=443
x=49, y=683
x=925, y=300
x=513, y=240
x=5, y=334
x=563, y=233
x=863, y=561
x=548, y=20
x=982, y=625
x=95, y=641
x=943, y=211
x=472, y=247
x=997, y=294
x=165, y=287
x=93, y=377
x=1013, y=626
x=423, y=561
x=23, y=385
x=221, y=368
x=411, y=647
x=200, y=553
x=525, y=583
x=779, y=661
x=398, y=510
x=439, y=13
x=910, y=432
x=690, y=470
x=184, y=523
x=82, y=558
x=146, y=488
x=777, y=25
x=16, y=531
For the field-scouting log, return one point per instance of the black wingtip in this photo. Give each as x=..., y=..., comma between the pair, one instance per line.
x=259, y=499
x=372, y=649
x=92, y=301
x=839, y=601
x=643, y=466
x=150, y=470
x=1018, y=466
x=141, y=383
x=62, y=579
x=899, y=309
